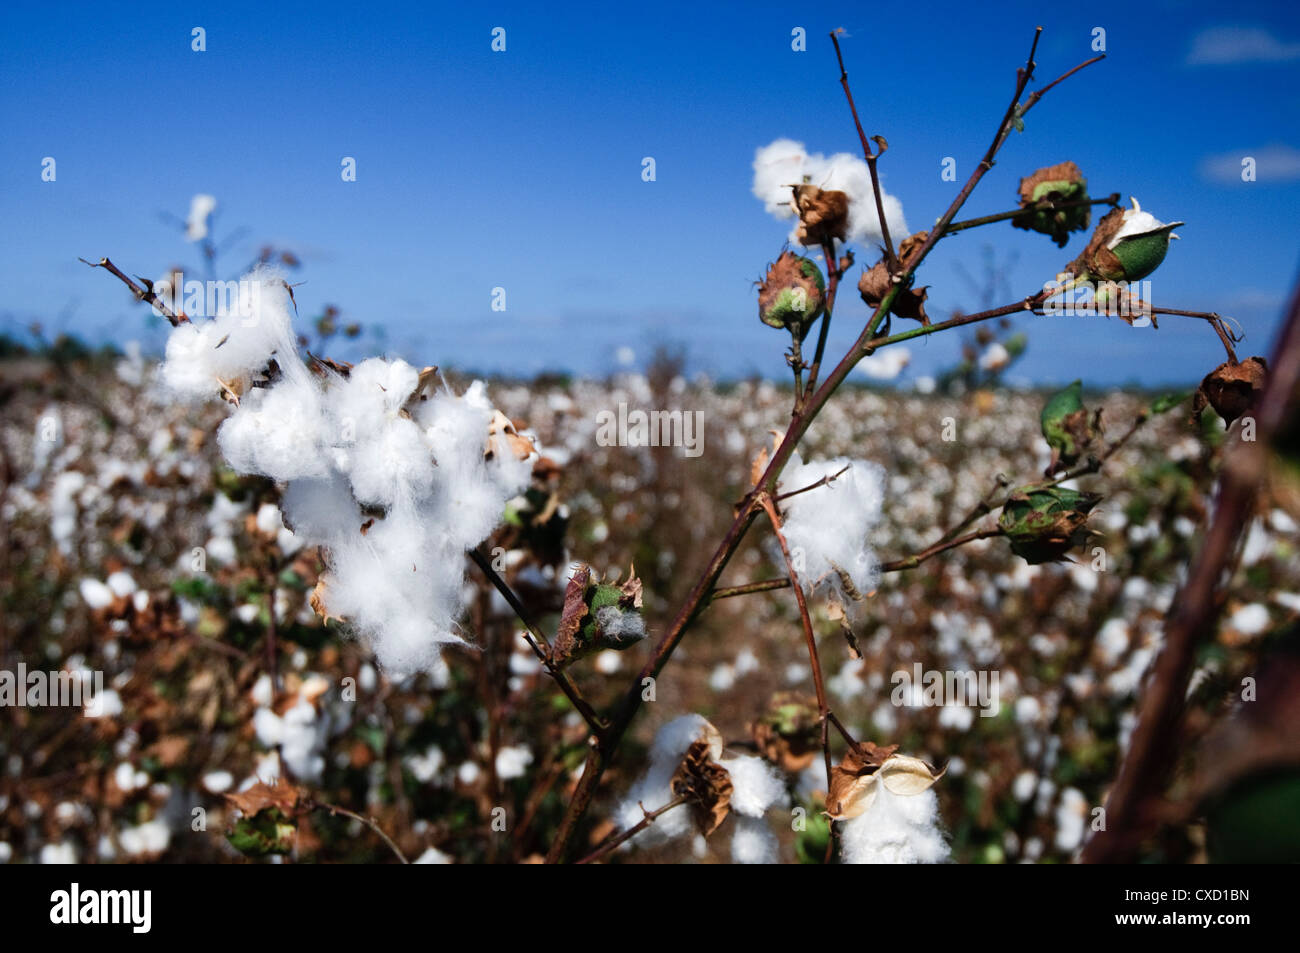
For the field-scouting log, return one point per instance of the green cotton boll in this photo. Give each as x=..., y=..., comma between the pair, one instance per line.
x=1058, y=223
x=793, y=294
x=1142, y=254
x=266, y=832
x=1043, y=524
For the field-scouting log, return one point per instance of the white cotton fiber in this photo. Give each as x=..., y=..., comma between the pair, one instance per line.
x=239, y=341
x=896, y=829
x=784, y=162
x=827, y=528
x=753, y=842
x=755, y=785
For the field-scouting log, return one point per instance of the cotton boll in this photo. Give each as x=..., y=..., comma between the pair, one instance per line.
x=828, y=526
x=622, y=627
x=513, y=762
x=753, y=842
x=755, y=785
x=673, y=739
x=896, y=829
x=392, y=466
x=321, y=509
x=201, y=208
x=784, y=162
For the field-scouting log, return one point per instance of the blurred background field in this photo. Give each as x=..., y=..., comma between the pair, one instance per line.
x=107, y=493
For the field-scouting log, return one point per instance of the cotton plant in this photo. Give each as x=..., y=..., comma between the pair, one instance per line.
x=384, y=468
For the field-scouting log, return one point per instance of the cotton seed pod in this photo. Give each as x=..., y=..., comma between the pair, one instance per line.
x=792, y=295
x=823, y=214
x=1043, y=524
x=1055, y=183
x=876, y=282
x=1231, y=388
x=1128, y=245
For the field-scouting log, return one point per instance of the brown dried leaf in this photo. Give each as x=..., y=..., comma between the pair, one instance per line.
x=575, y=610
x=261, y=797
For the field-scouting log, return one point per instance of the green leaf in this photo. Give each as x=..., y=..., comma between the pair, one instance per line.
x=1168, y=402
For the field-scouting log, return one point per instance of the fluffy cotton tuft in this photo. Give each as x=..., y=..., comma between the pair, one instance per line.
x=784, y=162
x=896, y=829
x=756, y=786
x=239, y=341
x=343, y=442
x=753, y=842
x=828, y=526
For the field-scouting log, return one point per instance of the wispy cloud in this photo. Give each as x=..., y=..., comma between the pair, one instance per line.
x=1220, y=46
x=1272, y=164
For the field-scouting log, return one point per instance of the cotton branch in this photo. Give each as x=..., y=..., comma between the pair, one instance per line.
x=650, y=816
x=145, y=293
x=606, y=744
x=890, y=256
x=370, y=822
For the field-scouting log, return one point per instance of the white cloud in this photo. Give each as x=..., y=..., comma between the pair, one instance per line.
x=1275, y=163
x=1223, y=45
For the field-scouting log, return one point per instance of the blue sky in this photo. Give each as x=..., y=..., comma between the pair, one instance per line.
x=522, y=169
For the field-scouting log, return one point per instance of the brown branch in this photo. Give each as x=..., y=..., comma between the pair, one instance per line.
x=650, y=816
x=146, y=293
x=1132, y=809
x=911, y=562
x=833, y=275
x=370, y=822
x=890, y=257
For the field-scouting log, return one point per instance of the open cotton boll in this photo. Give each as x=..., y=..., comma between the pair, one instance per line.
x=784, y=162
x=674, y=738
x=829, y=525
x=654, y=789
x=755, y=785
x=753, y=842
x=896, y=829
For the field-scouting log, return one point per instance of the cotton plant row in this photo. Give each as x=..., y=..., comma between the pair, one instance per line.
x=397, y=479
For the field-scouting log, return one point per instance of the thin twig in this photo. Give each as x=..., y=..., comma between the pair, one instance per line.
x=650, y=816
x=824, y=481
x=1042, y=205
x=370, y=822
x=890, y=257
x=146, y=294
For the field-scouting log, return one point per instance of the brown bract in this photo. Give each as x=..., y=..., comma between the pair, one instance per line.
x=706, y=785
x=1061, y=172
x=851, y=777
x=1231, y=389
x=823, y=214
x=262, y=796
x=876, y=282
x=1096, y=259
x=575, y=610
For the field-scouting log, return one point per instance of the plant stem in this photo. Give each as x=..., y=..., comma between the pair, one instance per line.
x=370, y=822
x=541, y=648
x=1044, y=205
x=650, y=816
